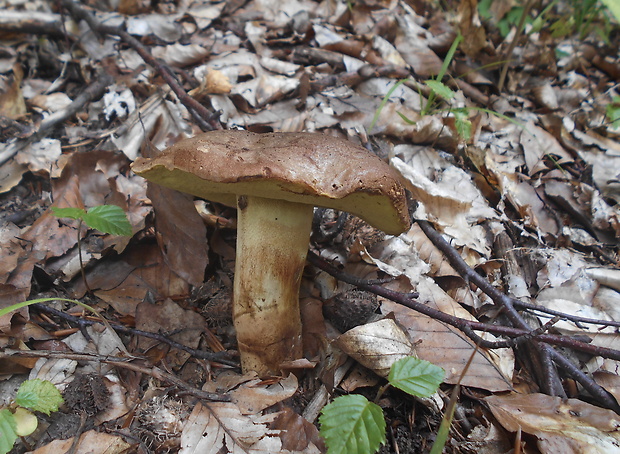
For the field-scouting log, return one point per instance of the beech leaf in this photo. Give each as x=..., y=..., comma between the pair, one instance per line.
x=352, y=425
x=108, y=219
x=38, y=395
x=7, y=431
x=416, y=377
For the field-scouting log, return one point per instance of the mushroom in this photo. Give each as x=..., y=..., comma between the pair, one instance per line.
x=276, y=180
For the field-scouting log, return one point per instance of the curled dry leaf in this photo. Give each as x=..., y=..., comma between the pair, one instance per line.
x=570, y=426
x=91, y=441
x=605, y=276
x=376, y=345
x=219, y=427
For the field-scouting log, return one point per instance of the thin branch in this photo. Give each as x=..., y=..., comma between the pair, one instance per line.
x=550, y=381
x=468, y=327
x=123, y=363
x=221, y=357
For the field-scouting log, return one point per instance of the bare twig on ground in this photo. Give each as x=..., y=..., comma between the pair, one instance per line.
x=123, y=363
x=220, y=357
x=468, y=327
x=518, y=335
x=551, y=382
x=34, y=22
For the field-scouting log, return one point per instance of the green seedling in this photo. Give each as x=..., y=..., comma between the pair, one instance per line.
x=438, y=90
x=109, y=219
x=436, y=85
x=354, y=425
x=18, y=419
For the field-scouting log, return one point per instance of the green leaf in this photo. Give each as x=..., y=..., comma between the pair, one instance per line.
x=440, y=89
x=71, y=213
x=352, y=425
x=26, y=422
x=614, y=7
x=462, y=123
x=7, y=431
x=613, y=112
x=38, y=395
x=108, y=219
x=405, y=119
x=415, y=376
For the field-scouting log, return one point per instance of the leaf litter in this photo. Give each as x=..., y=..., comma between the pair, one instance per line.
x=528, y=200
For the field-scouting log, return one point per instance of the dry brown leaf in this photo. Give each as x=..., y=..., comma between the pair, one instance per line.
x=180, y=55
x=12, y=104
x=428, y=252
x=605, y=276
x=89, y=442
x=185, y=326
x=147, y=272
x=254, y=396
x=377, y=345
x=566, y=427
x=447, y=195
x=297, y=433
x=449, y=348
x=468, y=20
x=217, y=428
x=180, y=232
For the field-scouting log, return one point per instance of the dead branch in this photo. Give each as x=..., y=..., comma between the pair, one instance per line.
x=469, y=327
x=32, y=22
x=551, y=383
x=520, y=335
x=123, y=363
x=220, y=357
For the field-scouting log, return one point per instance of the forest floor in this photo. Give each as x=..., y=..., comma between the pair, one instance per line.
x=503, y=118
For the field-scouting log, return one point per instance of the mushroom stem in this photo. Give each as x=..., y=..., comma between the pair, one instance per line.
x=272, y=244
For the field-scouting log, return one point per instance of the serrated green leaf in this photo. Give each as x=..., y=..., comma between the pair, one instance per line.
x=71, y=213
x=7, y=431
x=108, y=219
x=440, y=89
x=415, y=376
x=38, y=395
x=352, y=425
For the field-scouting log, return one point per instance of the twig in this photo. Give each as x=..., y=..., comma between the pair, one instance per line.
x=468, y=327
x=551, y=383
x=511, y=47
x=123, y=363
x=206, y=120
x=209, y=356
x=597, y=391
x=32, y=22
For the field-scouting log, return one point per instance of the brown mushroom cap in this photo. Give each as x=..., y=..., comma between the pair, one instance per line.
x=309, y=168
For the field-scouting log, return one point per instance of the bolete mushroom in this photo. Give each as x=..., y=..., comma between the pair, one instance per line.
x=276, y=180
